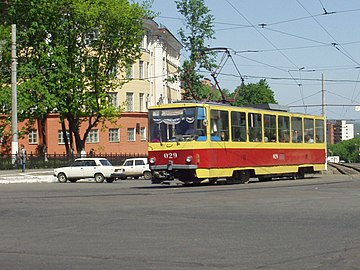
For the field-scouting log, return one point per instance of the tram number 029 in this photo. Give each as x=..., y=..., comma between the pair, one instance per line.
x=170, y=155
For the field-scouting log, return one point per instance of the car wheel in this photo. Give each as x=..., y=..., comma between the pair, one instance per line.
x=62, y=178
x=99, y=178
x=147, y=175
x=110, y=180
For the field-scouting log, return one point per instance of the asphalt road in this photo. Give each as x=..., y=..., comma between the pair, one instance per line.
x=293, y=224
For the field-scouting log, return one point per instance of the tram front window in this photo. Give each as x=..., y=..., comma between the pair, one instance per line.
x=179, y=124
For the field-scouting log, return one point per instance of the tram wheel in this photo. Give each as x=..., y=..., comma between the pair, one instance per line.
x=243, y=177
x=299, y=175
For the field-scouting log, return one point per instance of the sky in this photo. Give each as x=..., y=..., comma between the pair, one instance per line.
x=290, y=43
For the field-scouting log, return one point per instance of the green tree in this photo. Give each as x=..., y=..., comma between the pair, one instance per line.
x=254, y=93
x=347, y=150
x=69, y=55
x=198, y=29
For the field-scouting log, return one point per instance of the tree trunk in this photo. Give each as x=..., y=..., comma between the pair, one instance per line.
x=65, y=137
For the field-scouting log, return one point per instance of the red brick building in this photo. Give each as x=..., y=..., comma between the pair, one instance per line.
x=127, y=136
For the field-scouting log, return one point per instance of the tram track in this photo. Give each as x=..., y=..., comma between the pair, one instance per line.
x=346, y=169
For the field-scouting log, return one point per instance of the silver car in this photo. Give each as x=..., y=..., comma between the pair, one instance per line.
x=98, y=168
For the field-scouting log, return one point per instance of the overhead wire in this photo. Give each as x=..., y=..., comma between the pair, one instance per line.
x=335, y=44
x=272, y=44
x=296, y=101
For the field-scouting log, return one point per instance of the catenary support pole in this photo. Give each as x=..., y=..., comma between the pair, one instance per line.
x=14, y=126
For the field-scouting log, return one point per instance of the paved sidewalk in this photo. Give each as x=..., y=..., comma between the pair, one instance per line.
x=29, y=176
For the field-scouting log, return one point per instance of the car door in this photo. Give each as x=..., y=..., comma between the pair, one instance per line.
x=129, y=167
x=89, y=169
x=76, y=170
x=139, y=166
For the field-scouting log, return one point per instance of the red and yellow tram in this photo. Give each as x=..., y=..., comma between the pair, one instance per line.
x=201, y=142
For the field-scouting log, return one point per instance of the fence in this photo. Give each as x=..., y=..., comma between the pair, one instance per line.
x=59, y=160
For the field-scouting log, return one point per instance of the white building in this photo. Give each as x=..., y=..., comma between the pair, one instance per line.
x=347, y=131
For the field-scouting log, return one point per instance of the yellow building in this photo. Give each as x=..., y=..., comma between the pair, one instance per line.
x=148, y=83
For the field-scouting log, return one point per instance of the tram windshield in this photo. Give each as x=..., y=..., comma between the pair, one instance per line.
x=177, y=124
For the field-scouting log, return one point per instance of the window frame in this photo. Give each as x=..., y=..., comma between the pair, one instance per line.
x=93, y=136
x=270, y=131
x=238, y=126
x=296, y=128
x=255, y=127
x=129, y=101
x=33, y=136
x=112, y=132
x=131, y=135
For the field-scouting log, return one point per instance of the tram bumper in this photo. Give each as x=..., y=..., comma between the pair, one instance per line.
x=169, y=171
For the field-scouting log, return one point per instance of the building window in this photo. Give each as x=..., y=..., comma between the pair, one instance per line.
x=114, y=135
x=131, y=134
x=90, y=66
x=144, y=42
x=129, y=102
x=129, y=72
x=141, y=102
x=143, y=134
x=93, y=136
x=33, y=137
x=91, y=37
x=112, y=98
x=61, y=137
x=113, y=72
x=148, y=70
x=141, y=70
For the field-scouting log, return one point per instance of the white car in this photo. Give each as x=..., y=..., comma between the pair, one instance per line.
x=98, y=168
x=135, y=167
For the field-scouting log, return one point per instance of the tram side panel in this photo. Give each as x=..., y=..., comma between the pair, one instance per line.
x=222, y=161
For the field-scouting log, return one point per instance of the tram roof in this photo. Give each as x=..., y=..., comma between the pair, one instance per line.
x=267, y=106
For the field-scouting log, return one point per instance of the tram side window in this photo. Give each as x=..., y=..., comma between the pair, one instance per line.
x=219, y=125
x=296, y=129
x=309, y=130
x=200, y=131
x=319, y=131
x=238, y=126
x=269, y=128
x=254, y=123
x=284, y=128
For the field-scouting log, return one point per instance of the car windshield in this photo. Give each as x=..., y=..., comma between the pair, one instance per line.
x=105, y=162
x=178, y=124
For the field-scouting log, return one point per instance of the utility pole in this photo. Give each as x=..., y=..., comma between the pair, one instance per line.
x=323, y=112
x=323, y=92
x=14, y=126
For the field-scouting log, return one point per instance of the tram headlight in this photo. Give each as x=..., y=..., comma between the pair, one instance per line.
x=189, y=159
x=152, y=160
